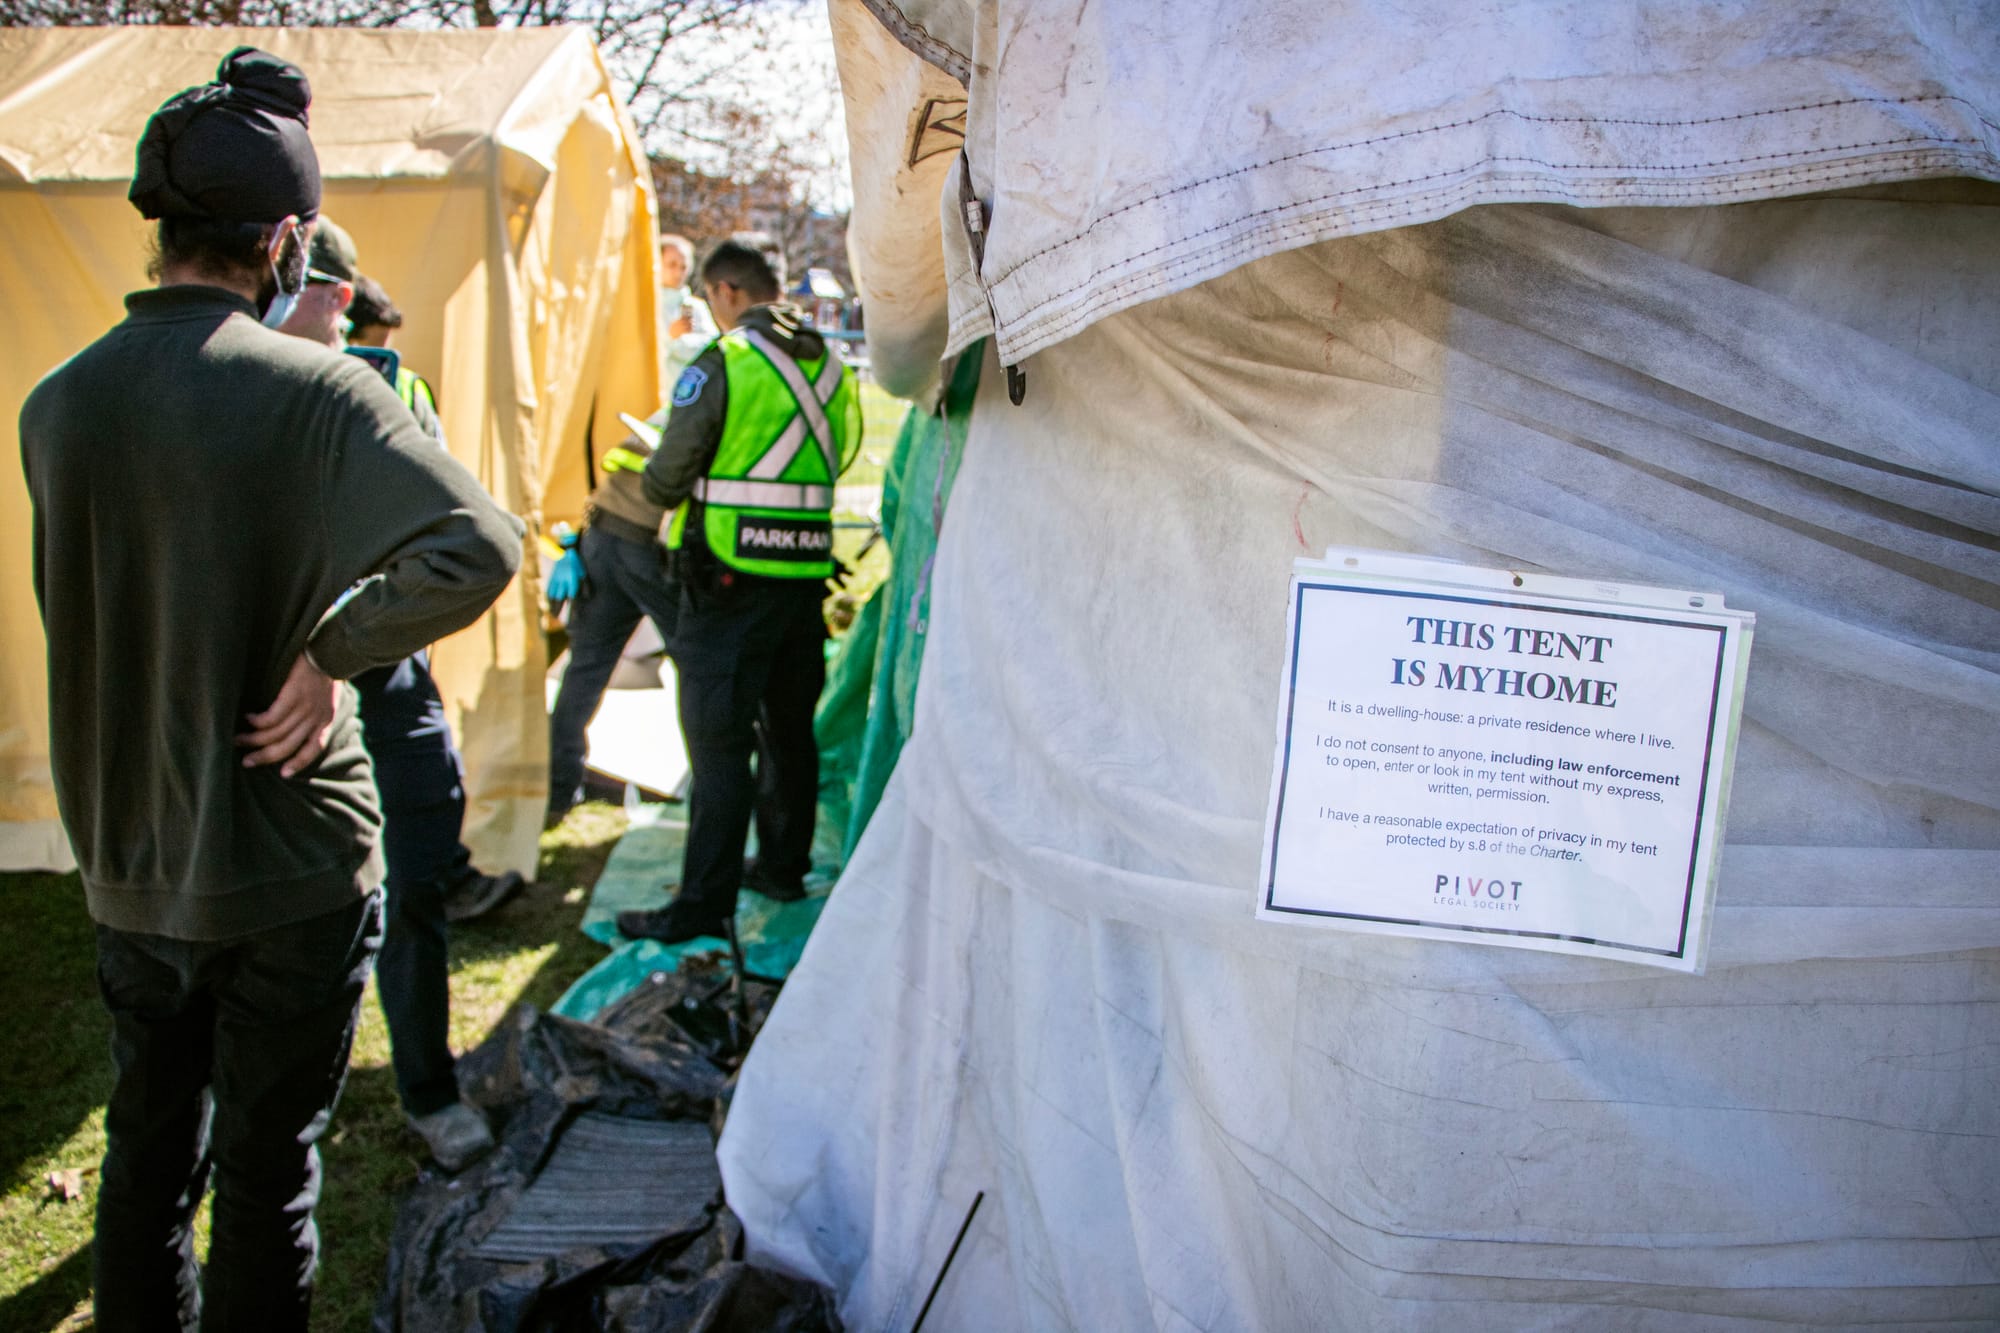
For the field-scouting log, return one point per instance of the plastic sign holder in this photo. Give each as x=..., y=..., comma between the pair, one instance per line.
x=1502, y=757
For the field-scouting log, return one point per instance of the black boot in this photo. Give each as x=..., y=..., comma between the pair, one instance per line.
x=676, y=923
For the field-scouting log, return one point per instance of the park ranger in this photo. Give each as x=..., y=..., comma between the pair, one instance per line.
x=762, y=424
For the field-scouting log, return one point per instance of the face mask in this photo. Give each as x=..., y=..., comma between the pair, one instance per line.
x=286, y=300
x=281, y=308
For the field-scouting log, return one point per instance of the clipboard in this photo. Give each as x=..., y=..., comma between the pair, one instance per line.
x=645, y=430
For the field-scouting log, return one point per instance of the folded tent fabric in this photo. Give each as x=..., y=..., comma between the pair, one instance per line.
x=1133, y=149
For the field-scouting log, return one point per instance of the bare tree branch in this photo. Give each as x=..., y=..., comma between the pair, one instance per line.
x=686, y=97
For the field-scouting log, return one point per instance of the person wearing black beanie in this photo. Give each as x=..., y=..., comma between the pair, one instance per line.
x=235, y=150
x=228, y=169
x=207, y=495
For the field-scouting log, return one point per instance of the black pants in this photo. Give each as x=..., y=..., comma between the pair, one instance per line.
x=751, y=657
x=628, y=579
x=230, y=1058
x=421, y=781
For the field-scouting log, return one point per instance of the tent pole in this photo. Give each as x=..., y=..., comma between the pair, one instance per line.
x=957, y=1241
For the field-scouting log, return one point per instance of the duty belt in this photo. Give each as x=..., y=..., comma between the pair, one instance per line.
x=623, y=528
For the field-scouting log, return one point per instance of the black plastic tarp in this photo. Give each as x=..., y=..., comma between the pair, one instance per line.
x=593, y=1151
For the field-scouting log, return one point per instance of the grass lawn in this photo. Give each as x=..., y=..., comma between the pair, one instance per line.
x=881, y=419
x=55, y=1054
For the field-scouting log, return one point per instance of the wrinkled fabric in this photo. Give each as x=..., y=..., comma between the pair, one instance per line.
x=905, y=126
x=1126, y=149
x=1040, y=978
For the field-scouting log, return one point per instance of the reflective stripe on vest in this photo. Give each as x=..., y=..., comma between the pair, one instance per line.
x=763, y=494
x=767, y=499
x=811, y=397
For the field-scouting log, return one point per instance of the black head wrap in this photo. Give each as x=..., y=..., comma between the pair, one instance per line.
x=235, y=150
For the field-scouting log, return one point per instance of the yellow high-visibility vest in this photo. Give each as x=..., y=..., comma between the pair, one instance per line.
x=791, y=429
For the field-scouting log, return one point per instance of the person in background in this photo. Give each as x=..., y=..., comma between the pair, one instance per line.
x=421, y=781
x=614, y=572
x=372, y=319
x=227, y=525
x=763, y=423
x=686, y=325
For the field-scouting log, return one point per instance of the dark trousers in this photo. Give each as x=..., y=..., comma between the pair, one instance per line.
x=421, y=781
x=230, y=1058
x=628, y=579
x=751, y=659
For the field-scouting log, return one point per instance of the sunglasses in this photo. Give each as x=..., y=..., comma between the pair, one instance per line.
x=315, y=275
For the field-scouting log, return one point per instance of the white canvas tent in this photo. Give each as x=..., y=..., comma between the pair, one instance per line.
x=1695, y=300
x=493, y=183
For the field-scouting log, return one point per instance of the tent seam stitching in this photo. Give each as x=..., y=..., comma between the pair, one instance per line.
x=1804, y=173
x=1517, y=115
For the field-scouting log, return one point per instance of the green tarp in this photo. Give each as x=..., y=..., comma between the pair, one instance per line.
x=870, y=700
x=647, y=860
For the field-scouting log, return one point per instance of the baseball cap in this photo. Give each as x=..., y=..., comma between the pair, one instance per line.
x=333, y=254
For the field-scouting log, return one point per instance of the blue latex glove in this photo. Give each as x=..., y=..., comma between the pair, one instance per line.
x=567, y=579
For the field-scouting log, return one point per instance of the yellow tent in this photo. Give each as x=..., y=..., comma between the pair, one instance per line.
x=493, y=184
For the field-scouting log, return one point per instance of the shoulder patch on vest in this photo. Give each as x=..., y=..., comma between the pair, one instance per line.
x=689, y=386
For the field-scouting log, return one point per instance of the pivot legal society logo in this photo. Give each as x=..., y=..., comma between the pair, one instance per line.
x=1477, y=893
